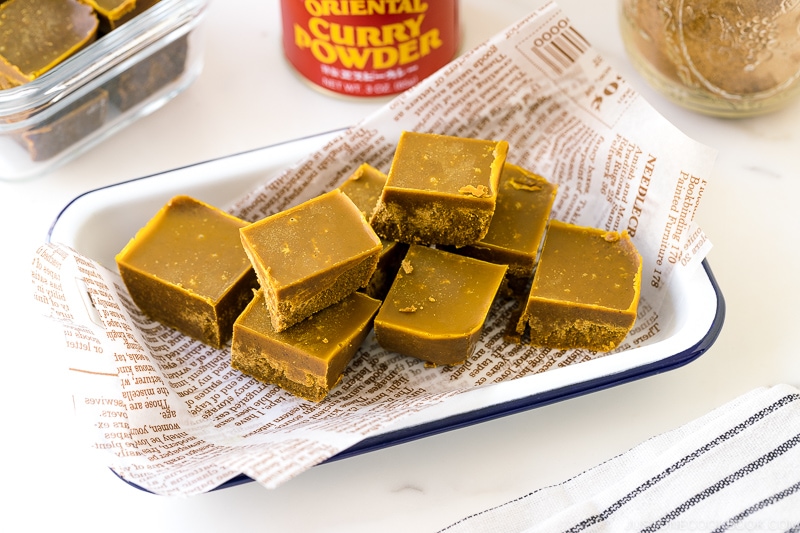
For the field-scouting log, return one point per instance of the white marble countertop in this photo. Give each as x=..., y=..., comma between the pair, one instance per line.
x=248, y=97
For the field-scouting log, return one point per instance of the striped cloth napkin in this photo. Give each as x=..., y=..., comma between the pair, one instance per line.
x=736, y=468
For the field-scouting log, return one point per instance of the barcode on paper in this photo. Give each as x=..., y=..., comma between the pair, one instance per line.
x=563, y=55
x=557, y=47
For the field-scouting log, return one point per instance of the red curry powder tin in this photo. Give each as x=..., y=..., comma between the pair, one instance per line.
x=368, y=48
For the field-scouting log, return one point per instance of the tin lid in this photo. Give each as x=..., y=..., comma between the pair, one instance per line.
x=33, y=101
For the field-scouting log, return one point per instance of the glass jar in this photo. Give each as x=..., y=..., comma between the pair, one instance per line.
x=718, y=57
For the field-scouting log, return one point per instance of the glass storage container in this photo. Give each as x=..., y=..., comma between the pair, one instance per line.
x=122, y=76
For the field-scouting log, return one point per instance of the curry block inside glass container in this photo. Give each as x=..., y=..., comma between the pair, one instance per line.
x=124, y=75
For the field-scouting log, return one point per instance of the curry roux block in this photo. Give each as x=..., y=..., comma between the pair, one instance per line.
x=114, y=13
x=151, y=74
x=309, y=358
x=37, y=35
x=440, y=190
x=70, y=125
x=437, y=305
x=524, y=202
x=364, y=187
x=585, y=290
x=311, y=256
x=186, y=268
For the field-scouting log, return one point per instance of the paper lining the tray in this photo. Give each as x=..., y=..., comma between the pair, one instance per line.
x=175, y=419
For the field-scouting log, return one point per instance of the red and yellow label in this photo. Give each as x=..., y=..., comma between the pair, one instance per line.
x=369, y=47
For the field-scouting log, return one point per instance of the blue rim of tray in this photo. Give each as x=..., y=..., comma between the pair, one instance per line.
x=462, y=420
x=542, y=399
x=477, y=416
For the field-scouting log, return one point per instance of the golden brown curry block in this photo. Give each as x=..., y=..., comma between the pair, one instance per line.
x=114, y=13
x=309, y=358
x=311, y=256
x=585, y=291
x=70, y=125
x=186, y=268
x=524, y=202
x=364, y=187
x=149, y=75
x=440, y=189
x=37, y=35
x=437, y=305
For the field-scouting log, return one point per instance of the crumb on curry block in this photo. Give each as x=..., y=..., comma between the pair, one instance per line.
x=585, y=290
x=309, y=358
x=437, y=305
x=311, y=256
x=524, y=203
x=440, y=189
x=187, y=269
x=364, y=187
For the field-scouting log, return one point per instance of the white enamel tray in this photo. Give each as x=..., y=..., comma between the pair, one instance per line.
x=99, y=222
